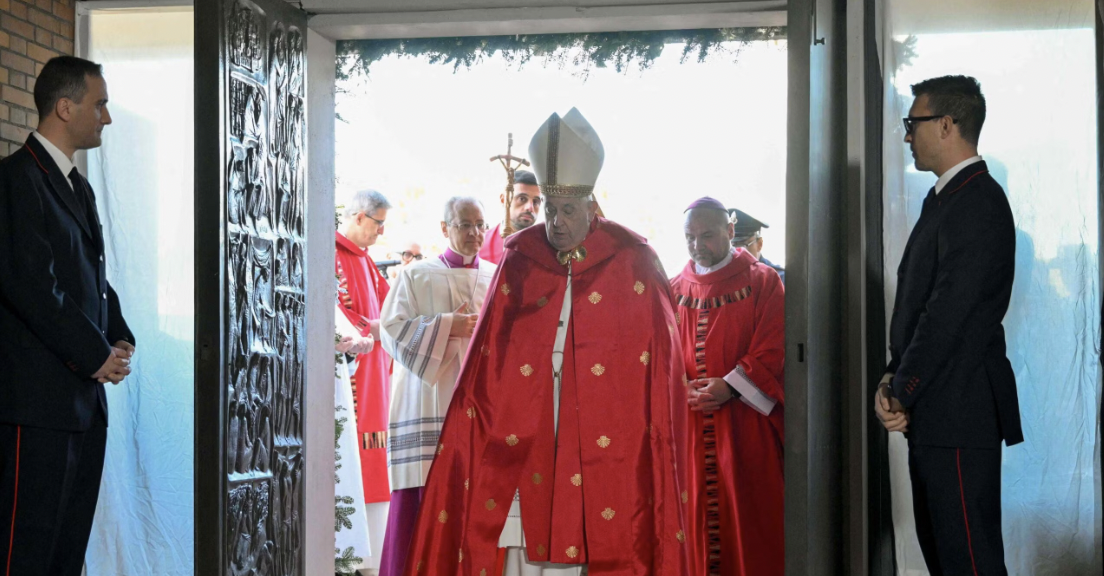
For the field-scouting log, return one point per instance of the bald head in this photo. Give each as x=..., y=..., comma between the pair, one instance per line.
x=708, y=235
x=410, y=252
x=708, y=216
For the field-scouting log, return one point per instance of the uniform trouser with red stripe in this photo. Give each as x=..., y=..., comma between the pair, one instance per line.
x=956, y=497
x=46, y=509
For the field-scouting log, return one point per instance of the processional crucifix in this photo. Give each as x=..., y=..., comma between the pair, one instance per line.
x=508, y=160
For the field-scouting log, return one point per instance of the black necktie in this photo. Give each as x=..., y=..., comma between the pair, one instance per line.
x=84, y=199
x=928, y=201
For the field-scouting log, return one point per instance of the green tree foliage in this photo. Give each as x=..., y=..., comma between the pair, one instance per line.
x=341, y=517
x=345, y=562
x=339, y=427
x=585, y=51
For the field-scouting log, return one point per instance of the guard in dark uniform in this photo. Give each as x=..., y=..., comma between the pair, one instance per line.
x=748, y=235
x=62, y=332
x=949, y=385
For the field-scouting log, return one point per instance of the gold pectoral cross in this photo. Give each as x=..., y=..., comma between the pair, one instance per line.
x=578, y=254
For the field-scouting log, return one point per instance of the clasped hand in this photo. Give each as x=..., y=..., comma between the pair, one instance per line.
x=889, y=409
x=117, y=366
x=708, y=394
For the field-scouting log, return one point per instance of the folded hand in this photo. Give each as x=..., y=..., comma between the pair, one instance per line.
x=889, y=410
x=708, y=394
x=362, y=345
x=117, y=366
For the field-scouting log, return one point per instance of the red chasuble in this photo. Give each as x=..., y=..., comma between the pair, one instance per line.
x=363, y=289
x=604, y=492
x=734, y=317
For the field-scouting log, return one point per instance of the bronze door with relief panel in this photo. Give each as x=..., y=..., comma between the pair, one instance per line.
x=250, y=243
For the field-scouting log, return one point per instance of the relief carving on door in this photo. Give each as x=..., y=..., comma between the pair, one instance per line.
x=266, y=308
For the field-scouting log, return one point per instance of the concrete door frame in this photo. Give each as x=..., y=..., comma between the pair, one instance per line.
x=550, y=20
x=325, y=29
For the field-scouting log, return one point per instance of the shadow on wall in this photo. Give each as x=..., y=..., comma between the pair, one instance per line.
x=1052, y=347
x=146, y=493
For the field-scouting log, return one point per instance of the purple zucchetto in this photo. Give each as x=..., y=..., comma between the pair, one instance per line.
x=706, y=202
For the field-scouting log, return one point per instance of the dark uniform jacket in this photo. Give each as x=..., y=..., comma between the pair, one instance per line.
x=946, y=339
x=781, y=271
x=58, y=314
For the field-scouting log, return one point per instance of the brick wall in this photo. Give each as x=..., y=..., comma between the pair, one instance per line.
x=31, y=32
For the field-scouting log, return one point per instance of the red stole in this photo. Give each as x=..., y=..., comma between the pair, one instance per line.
x=604, y=492
x=363, y=290
x=732, y=316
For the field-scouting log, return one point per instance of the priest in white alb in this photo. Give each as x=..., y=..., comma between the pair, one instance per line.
x=427, y=322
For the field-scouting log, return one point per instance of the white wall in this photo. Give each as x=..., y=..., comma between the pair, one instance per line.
x=143, y=178
x=319, y=504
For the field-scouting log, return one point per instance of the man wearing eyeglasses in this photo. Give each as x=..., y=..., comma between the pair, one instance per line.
x=361, y=290
x=523, y=213
x=411, y=252
x=428, y=319
x=949, y=385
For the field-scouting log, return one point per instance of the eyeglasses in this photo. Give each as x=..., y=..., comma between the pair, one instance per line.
x=468, y=227
x=911, y=121
x=376, y=220
x=408, y=255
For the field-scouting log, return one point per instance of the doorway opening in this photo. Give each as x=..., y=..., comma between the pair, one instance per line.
x=421, y=130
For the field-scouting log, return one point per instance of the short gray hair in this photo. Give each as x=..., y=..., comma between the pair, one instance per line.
x=452, y=203
x=367, y=201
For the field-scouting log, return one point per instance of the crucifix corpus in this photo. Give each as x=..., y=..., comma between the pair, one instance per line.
x=508, y=161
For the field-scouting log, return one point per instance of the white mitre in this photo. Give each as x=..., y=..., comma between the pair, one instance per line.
x=567, y=156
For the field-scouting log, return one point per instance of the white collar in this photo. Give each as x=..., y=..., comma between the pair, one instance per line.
x=702, y=270
x=63, y=162
x=950, y=174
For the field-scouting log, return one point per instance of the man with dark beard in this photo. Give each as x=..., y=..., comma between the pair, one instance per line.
x=523, y=213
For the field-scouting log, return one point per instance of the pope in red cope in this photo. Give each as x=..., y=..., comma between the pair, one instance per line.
x=564, y=400
x=731, y=310
x=362, y=290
